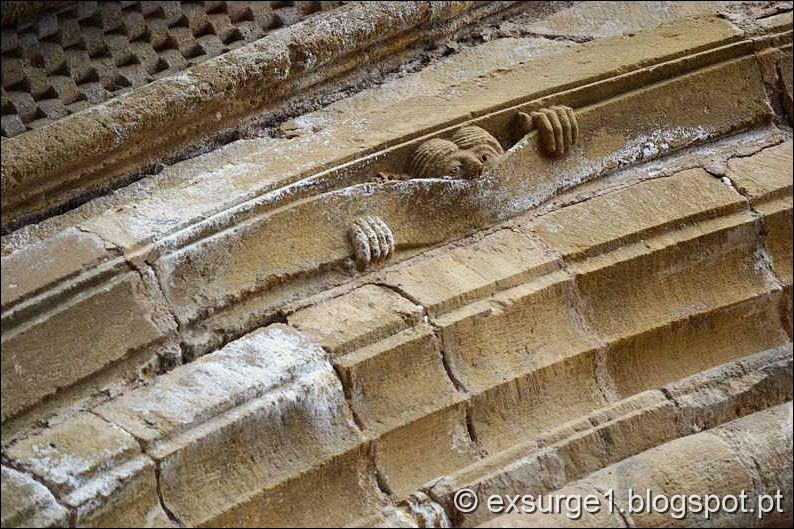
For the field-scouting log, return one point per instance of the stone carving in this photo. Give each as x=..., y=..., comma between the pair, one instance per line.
x=372, y=240
x=437, y=158
x=556, y=126
x=478, y=141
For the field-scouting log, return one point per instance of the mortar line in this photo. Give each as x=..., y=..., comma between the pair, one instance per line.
x=459, y=386
x=378, y=477
x=141, y=268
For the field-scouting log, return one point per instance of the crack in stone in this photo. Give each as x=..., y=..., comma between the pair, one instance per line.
x=762, y=258
x=71, y=512
x=168, y=512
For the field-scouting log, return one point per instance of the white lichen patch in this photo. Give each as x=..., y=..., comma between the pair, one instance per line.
x=636, y=149
x=95, y=492
x=461, y=442
x=237, y=372
x=274, y=365
x=68, y=455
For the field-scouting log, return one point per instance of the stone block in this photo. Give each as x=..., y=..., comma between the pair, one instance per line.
x=239, y=432
x=28, y=503
x=97, y=470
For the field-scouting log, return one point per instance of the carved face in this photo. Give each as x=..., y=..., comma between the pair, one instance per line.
x=478, y=141
x=461, y=164
x=485, y=152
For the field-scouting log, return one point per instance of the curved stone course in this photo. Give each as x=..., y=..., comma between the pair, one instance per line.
x=332, y=327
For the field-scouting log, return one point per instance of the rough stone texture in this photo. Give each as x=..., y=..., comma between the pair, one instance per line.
x=619, y=431
x=225, y=265
x=102, y=145
x=42, y=265
x=28, y=503
x=358, y=318
x=446, y=280
x=559, y=324
x=657, y=288
x=97, y=470
x=82, y=334
x=602, y=19
x=537, y=76
x=414, y=416
x=723, y=462
x=277, y=397
x=766, y=180
x=224, y=276
x=85, y=53
x=485, y=340
x=766, y=175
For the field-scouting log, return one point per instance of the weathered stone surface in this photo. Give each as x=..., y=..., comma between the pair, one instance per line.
x=424, y=449
x=228, y=265
x=521, y=356
x=616, y=220
x=381, y=399
x=723, y=393
x=100, y=146
x=41, y=265
x=88, y=331
x=686, y=347
x=417, y=510
x=611, y=18
x=360, y=317
x=763, y=443
x=777, y=22
x=254, y=167
x=207, y=280
x=659, y=296
x=97, y=470
x=766, y=179
x=721, y=462
x=520, y=351
x=786, y=74
x=765, y=175
x=706, y=462
x=273, y=393
x=446, y=280
x=622, y=430
x=28, y=503
x=396, y=383
x=151, y=42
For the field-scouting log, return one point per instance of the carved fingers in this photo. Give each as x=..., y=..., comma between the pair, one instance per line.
x=372, y=240
x=522, y=124
x=557, y=127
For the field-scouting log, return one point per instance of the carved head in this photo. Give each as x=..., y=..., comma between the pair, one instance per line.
x=479, y=142
x=437, y=158
x=462, y=164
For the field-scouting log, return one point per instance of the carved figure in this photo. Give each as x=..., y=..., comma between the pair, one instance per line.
x=372, y=240
x=437, y=158
x=556, y=126
x=478, y=141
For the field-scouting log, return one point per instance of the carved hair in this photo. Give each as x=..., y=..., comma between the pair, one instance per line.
x=479, y=141
x=437, y=158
